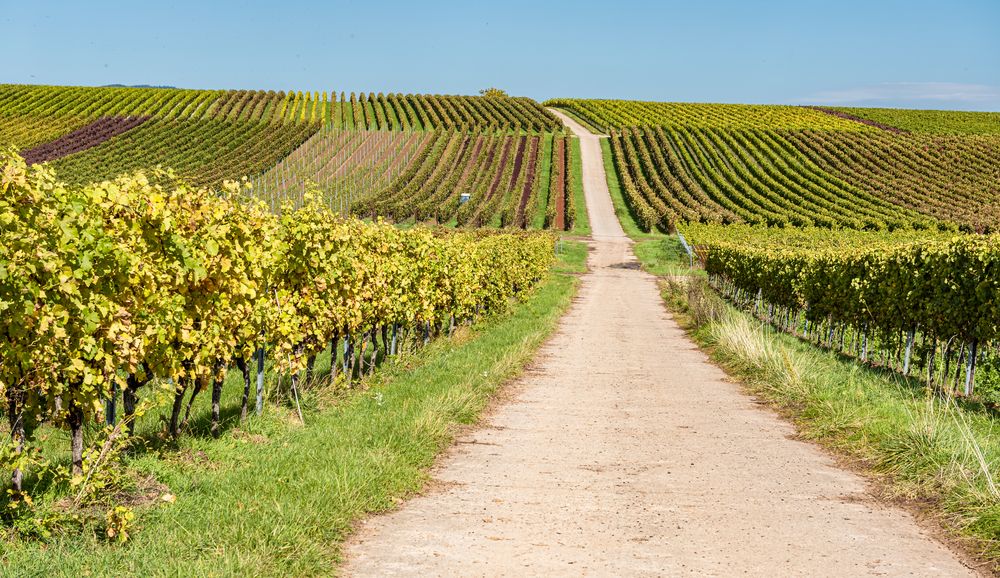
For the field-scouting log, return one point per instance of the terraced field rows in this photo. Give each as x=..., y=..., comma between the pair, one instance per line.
x=953, y=122
x=205, y=135
x=801, y=166
x=616, y=114
x=706, y=175
x=341, y=166
x=459, y=178
x=205, y=152
x=426, y=112
x=83, y=138
x=211, y=135
x=25, y=131
x=660, y=466
x=952, y=178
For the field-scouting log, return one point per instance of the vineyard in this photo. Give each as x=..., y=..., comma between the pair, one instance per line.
x=441, y=176
x=423, y=289
x=340, y=166
x=950, y=122
x=206, y=152
x=356, y=111
x=461, y=160
x=114, y=289
x=277, y=254
x=158, y=244
x=616, y=114
x=856, y=293
x=799, y=166
x=92, y=134
x=430, y=112
x=81, y=139
x=707, y=175
x=954, y=179
x=847, y=227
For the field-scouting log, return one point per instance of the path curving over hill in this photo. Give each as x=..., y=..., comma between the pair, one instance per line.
x=625, y=452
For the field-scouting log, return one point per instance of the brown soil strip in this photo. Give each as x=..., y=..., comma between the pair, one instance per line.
x=528, y=183
x=83, y=138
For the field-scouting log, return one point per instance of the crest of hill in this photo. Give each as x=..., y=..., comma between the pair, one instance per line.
x=616, y=114
x=136, y=86
x=949, y=122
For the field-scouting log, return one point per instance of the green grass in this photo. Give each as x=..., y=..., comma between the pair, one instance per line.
x=572, y=257
x=277, y=498
x=542, y=202
x=581, y=226
x=664, y=257
x=921, y=448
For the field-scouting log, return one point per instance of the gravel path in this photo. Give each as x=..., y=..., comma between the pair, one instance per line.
x=625, y=452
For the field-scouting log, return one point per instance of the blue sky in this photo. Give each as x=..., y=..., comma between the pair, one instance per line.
x=876, y=53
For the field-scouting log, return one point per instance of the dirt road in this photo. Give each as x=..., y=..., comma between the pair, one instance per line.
x=626, y=453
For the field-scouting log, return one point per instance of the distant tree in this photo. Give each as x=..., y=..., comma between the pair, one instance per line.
x=494, y=93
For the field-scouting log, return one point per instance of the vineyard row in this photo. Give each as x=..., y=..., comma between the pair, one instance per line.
x=113, y=287
x=672, y=176
x=618, y=114
x=356, y=111
x=891, y=300
x=473, y=180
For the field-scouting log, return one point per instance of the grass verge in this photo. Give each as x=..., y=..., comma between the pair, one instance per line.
x=581, y=225
x=922, y=449
x=664, y=257
x=277, y=498
x=572, y=256
x=542, y=201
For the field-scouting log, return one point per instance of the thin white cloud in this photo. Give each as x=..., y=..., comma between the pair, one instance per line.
x=911, y=91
